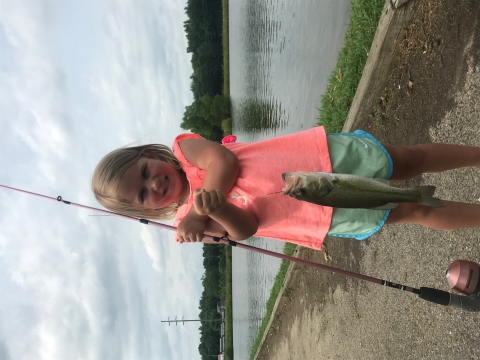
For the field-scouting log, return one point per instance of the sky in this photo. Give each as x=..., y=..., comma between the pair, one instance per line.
x=79, y=78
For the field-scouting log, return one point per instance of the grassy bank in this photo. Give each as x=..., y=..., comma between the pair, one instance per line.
x=277, y=286
x=343, y=81
x=228, y=306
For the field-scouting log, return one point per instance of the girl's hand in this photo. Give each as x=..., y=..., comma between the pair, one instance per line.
x=190, y=229
x=208, y=202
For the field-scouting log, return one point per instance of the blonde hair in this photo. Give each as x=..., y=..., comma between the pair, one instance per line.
x=107, y=175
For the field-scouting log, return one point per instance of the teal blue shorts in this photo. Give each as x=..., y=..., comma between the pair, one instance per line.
x=358, y=153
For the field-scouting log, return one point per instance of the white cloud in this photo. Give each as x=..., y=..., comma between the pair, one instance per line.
x=75, y=286
x=33, y=117
x=143, y=73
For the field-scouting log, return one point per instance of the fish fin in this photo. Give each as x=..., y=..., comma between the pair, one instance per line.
x=426, y=196
x=383, y=181
x=331, y=180
x=388, y=206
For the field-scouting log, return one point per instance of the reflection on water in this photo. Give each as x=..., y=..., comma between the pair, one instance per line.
x=262, y=115
x=260, y=111
x=281, y=55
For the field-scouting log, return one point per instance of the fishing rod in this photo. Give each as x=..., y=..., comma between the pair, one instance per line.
x=462, y=275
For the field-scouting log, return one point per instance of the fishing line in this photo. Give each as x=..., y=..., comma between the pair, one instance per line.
x=277, y=192
x=461, y=275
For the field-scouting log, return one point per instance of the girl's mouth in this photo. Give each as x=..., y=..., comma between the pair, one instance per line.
x=165, y=186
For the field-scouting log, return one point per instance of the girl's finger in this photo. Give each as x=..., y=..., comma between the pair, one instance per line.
x=217, y=198
x=220, y=195
x=212, y=196
x=206, y=198
x=198, y=200
x=198, y=191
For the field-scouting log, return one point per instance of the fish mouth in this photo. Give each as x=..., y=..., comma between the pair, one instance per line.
x=291, y=181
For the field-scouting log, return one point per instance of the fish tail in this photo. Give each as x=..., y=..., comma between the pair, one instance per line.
x=426, y=196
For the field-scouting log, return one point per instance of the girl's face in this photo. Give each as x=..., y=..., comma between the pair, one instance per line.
x=152, y=184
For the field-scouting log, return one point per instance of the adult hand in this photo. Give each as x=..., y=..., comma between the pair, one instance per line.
x=208, y=202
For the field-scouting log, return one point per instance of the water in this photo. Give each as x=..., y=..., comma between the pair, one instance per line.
x=281, y=55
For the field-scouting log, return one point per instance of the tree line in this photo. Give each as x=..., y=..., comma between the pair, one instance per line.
x=203, y=29
x=214, y=261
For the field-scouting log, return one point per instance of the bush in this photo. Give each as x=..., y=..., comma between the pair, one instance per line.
x=227, y=126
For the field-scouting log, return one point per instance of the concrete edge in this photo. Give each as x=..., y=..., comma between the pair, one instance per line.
x=378, y=66
x=395, y=18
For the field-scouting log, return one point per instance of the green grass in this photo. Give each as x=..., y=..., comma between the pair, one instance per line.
x=343, y=81
x=228, y=306
x=226, y=50
x=277, y=286
x=227, y=126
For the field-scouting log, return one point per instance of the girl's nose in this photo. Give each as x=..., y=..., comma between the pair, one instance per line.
x=154, y=183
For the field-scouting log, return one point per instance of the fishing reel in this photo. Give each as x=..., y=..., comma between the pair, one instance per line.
x=463, y=276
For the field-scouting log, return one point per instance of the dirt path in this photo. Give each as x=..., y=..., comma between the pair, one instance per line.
x=432, y=95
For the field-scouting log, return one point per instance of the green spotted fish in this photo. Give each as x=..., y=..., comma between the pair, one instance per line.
x=351, y=191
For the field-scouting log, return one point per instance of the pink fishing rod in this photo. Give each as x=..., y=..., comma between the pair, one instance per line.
x=457, y=273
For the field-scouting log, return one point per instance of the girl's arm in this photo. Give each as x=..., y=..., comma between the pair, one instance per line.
x=219, y=163
x=221, y=169
x=240, y=224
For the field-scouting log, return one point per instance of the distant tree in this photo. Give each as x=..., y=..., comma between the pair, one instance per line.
x=221, y=106
x=214, y=256
x=194, y=122
x=203, y=29
x=205, y=116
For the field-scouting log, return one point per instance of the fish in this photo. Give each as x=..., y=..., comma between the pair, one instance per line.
x=354, y=192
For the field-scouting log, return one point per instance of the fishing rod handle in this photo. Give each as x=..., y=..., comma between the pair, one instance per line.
x=468, y=303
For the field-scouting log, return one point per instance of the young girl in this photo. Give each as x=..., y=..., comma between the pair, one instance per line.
x=216, y=189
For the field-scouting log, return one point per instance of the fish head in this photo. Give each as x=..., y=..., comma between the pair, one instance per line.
x=305, y=185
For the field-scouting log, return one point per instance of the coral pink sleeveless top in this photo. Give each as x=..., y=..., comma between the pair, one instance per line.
x=261, y=165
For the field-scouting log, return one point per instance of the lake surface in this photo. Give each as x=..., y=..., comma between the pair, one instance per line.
x=281, y=55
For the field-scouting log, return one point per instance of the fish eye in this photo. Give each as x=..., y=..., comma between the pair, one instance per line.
x=300, y=192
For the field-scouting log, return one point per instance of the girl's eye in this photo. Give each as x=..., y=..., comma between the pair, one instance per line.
x=144, y=176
